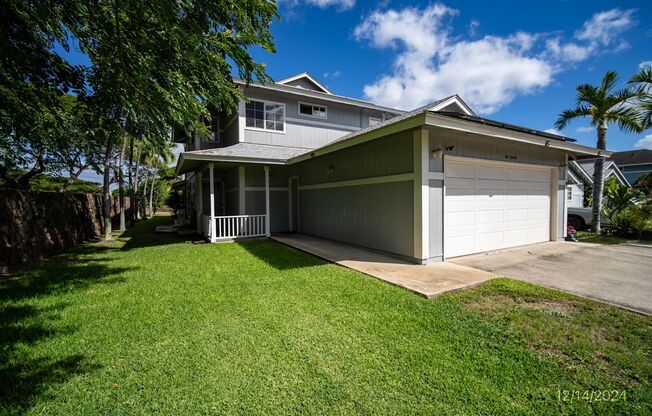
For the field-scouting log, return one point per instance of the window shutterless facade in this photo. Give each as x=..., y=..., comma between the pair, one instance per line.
x=265, y=115
x=313, y=110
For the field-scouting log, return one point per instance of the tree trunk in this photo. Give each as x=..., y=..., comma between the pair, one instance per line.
x=598, y=179
x=121, y=185
x=143, y=197
x=151, y=195
x=132, y=193
x=73, y=177
x=136, y=206
x=107, y=189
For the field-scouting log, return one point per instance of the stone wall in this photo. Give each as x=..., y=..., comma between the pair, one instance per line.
x=34, y=225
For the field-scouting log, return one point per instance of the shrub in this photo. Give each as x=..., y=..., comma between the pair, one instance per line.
x=634, y=221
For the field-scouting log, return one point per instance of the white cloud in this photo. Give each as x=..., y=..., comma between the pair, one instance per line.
x=585, y=129
x=644, y=143
x=322, y=4
x=604, y=27
x=645, y=64
x=553, y=131
x=601, y=33
x=488, y=72
x=334, y=74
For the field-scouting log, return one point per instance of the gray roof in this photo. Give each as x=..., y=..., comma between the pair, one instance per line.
x=318, y=95
x=247, y=151
x=632, y=157
x=392, y=120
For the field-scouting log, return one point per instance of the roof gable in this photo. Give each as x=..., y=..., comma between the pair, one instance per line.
x=452, y=104
x=306, y=81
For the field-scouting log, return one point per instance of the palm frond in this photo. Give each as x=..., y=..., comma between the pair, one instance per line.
x=567, y=116
x=644, y=76
x=629, y=119
x=608, y=82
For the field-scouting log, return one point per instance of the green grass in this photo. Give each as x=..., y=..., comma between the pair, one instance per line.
x=154, y=324
x=591, y=237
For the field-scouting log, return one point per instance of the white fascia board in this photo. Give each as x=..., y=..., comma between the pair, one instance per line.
x=436, y=120
x=307, y=76
x=226, y=159
x=454, y=100
x=408, y=123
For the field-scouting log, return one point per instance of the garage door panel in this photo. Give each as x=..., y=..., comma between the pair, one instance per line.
x=490, y=207
x=515, y=174
x=542, y=176
x=462, y=218
x=488, y=172
x=458, y=170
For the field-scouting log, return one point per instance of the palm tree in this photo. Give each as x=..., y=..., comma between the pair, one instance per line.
x=604, y=106
x=642, y=82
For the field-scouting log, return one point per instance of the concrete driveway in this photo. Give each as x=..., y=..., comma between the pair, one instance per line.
x=617, y=274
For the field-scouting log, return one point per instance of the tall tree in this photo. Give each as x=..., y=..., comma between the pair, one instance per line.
x=604, y=106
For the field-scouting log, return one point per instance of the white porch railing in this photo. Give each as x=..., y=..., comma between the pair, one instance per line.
x=237, y=226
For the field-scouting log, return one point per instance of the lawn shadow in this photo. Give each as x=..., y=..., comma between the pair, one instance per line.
x=280, y=256
x=24, y=379
x=143, y=234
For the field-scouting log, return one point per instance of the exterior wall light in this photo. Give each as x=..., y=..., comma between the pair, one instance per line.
x=437, y=153
x=547, y=143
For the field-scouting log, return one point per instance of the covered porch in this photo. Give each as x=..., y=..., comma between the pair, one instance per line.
x=236, y=197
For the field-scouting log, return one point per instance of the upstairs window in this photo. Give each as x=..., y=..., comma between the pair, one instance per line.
x=312, y=110
x=265, y=115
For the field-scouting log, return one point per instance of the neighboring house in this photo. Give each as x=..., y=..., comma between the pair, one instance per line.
x=580, y=175
x=425, y=185
x=633, y=163
x=576, y=182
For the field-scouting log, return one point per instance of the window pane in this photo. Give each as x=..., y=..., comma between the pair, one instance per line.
x=254, y=114
x=305, y=109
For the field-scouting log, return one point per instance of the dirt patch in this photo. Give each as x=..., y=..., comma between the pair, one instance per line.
x=502, y=303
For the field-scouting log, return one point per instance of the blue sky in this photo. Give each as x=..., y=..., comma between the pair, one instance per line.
x=513, y=61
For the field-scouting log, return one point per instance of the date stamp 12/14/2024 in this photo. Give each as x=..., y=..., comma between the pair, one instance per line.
x=591, y=395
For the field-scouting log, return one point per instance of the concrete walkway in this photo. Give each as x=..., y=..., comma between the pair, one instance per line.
x=429, y=280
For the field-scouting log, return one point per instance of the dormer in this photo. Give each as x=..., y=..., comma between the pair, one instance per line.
x=306, y=81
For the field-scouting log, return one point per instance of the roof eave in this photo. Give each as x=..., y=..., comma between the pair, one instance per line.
x=437, y=120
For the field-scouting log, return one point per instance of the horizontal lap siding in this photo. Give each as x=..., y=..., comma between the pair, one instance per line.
x=481, y=147
x=305, y=131
x=378, y=216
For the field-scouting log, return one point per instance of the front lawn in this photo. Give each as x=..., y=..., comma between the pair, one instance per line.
x=153, y=324
x=608, y=239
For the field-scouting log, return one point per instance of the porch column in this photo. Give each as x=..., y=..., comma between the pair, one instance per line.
x=199, y=201
x=267, y=201
x=212, y=186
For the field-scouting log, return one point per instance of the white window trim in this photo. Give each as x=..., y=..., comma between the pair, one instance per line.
x=569, y=192
x=312, y=115
x=265, y=102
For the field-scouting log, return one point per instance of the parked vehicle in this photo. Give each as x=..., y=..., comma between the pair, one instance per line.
x=582, y=218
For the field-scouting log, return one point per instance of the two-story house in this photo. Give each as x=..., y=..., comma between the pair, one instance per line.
x=426, y=184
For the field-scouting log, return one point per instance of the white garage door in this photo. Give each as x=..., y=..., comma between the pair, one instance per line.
x=490, y=206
